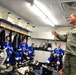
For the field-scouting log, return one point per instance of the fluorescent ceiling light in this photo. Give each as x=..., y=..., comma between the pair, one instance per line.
x=42, y=12
x=36, y=11
x=48, y=21
x=46, y=11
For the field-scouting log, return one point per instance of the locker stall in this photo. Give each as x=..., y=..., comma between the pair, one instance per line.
x=10, y=29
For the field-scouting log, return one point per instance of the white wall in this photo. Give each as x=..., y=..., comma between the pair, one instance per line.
x=45, y=32
x=41, y=30
x=38, y=42
x=42, y=33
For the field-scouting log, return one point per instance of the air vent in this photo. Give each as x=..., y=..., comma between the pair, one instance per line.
x=68, y=5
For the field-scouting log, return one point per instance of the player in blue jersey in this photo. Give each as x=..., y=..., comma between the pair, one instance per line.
x=31, y=52
x=22, y=51
x=9, y=49
x=56, y=55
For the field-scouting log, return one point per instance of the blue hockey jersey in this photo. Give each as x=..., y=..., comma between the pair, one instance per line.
x=58, y=51
x=23, y=47
x=9, y=49
x=31, y=51
x=7, y=46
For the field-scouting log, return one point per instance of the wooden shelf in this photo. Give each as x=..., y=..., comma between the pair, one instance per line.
x=14, y=30
x=55, y=39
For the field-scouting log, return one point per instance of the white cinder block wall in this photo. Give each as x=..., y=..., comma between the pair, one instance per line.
x=38, y=42
x=38, y=39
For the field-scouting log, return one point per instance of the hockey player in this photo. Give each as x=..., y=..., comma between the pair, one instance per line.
x=56, y=55
x=6, y=45
x=22, y=51
x=31, y=52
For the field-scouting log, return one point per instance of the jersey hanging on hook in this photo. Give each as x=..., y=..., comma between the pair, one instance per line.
x=2, y=36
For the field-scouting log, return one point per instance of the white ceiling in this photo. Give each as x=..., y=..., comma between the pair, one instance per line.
x=19, y=8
